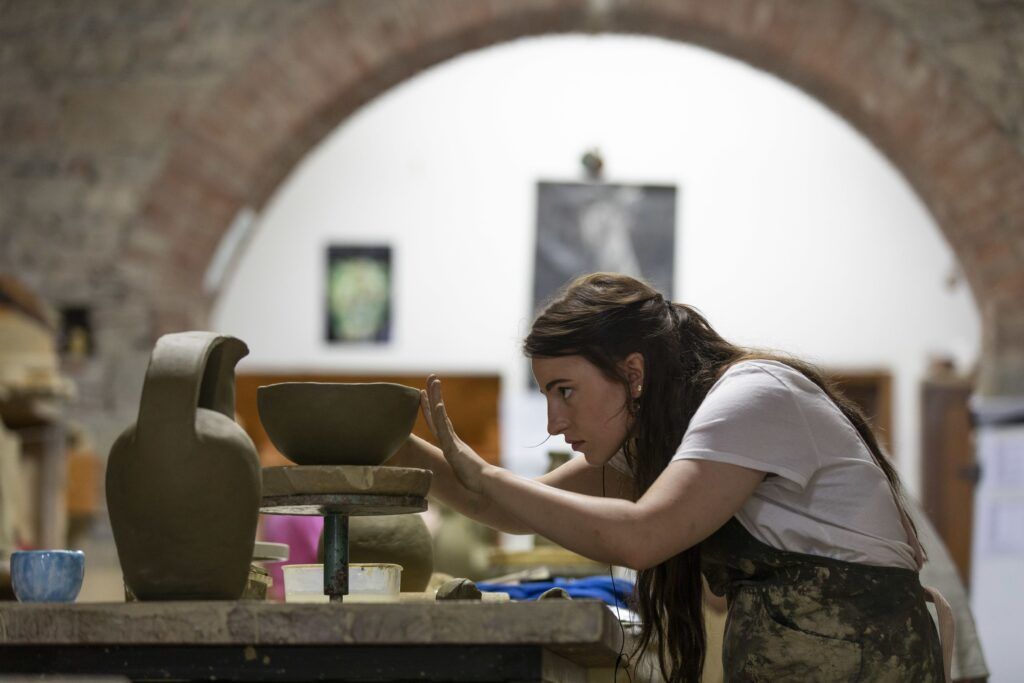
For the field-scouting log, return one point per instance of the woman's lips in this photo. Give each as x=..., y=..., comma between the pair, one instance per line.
x=575, y=445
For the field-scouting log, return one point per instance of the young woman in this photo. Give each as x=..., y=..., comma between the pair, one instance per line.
x=746, y=467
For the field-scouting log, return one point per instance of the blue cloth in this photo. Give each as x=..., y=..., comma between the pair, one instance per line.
x=599, y=587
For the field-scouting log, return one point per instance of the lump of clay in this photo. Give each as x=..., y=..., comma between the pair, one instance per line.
x=555, y=593
x=395, y=539
x=459, y=589
x=183, y=482
x=318, y=423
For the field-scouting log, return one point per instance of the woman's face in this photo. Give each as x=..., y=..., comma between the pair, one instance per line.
x=584, y=406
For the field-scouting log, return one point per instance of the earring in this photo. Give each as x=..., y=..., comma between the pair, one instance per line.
x=639, y=387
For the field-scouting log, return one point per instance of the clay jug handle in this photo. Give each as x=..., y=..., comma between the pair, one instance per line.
x=189, y=370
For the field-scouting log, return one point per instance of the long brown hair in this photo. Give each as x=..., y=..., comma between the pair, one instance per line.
x=604, y=317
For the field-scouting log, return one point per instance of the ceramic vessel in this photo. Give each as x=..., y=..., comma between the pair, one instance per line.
x=47, y=575
x=462, y=546
x=316, y=423
x=183, y=482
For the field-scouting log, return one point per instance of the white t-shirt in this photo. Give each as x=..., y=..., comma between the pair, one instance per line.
x=829, y=498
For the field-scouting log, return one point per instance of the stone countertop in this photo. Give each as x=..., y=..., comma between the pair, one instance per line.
x=583, y=631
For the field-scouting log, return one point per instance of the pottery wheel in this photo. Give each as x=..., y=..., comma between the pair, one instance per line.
x=344, y=489
x=337, y=492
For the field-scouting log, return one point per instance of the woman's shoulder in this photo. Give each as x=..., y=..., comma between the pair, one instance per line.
x=771, y=373
x=753, y=417
x=762, y=382
x=750, y=387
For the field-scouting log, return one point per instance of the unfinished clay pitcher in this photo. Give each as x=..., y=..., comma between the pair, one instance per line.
x=183, y=482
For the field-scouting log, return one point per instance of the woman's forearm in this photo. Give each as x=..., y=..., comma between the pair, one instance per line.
x=446, y=487
x=599, y=528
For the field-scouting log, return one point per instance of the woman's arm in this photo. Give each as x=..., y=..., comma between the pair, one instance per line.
x=685, y=504
x=575, y=476
x=689, y=501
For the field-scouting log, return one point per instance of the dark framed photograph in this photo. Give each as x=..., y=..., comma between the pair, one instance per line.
x=594, y=226
x=359, y=284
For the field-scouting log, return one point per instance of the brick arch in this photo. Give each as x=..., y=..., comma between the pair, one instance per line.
x=966, y=169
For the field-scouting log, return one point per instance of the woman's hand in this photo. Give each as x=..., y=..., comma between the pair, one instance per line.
x=469, y=467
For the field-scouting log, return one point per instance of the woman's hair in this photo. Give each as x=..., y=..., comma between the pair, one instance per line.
x=604, y=317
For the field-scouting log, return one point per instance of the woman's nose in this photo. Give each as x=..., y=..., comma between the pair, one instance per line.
x=556, y=423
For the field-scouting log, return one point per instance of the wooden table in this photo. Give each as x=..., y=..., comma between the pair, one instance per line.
x=554, y=641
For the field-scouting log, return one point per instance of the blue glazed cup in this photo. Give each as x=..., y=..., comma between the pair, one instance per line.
x=47, y=575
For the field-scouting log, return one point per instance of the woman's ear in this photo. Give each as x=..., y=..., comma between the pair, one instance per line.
x=632, y=367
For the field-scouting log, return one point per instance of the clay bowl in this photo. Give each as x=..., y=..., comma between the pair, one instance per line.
x=315, y=423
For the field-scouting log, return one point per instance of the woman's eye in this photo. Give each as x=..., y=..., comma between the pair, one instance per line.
x=566, y=391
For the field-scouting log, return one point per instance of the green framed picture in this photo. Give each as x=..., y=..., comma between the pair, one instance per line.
x=359, y=294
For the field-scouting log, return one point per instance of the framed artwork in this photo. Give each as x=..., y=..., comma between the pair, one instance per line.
x=589, y=227
x=359, y=294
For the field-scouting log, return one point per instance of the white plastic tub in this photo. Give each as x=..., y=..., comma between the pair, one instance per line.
x=376, y=582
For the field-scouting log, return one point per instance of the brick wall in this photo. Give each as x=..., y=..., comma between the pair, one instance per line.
x=132, y=131
x=90, y=93
x=981, y=42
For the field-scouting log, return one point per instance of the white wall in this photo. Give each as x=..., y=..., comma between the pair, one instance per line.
x=792, y=230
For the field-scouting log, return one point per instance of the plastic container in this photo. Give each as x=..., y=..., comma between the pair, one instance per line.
x=371, y=582
x=376, y=582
